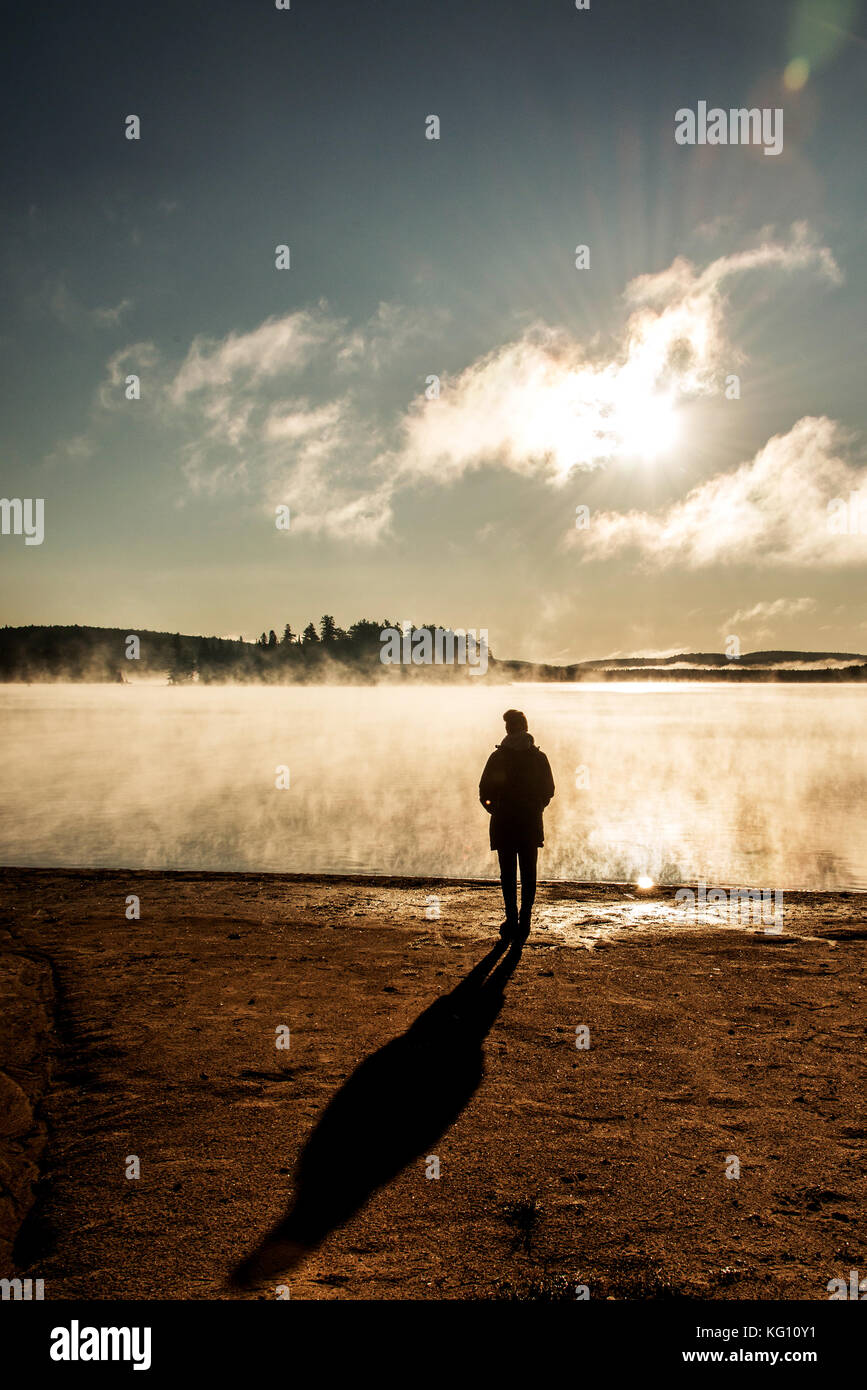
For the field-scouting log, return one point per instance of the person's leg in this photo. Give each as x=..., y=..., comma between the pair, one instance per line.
x=508, y=857
x=527, y=855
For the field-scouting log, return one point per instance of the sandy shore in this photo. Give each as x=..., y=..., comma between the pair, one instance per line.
x=558, y=1166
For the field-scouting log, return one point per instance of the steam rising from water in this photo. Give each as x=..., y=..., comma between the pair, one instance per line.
x=757, y=786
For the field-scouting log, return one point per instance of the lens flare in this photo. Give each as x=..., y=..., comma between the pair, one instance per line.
x=796, y=74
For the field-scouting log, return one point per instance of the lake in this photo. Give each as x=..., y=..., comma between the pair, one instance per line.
x=753, y=786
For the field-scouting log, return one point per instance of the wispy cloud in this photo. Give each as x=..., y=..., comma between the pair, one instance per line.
x=111, y=317
x=252, y=404
x=766, y=610
x=138, y=359
x=69, y=311
x=763, y=618
x=241, y=362
x=772, y=510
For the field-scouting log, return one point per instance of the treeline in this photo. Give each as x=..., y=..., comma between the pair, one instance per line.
x=318, y=652
x=312, y=654
x=77, y=653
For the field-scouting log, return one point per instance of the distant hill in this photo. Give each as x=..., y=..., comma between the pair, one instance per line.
x=57, y=653
x=773, y=658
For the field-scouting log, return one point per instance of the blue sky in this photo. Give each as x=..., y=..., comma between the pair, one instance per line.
x=560, y=387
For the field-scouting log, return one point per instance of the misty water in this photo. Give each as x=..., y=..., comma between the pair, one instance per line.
x=758, y=786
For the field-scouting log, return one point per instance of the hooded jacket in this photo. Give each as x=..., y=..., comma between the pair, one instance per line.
x=516, y=787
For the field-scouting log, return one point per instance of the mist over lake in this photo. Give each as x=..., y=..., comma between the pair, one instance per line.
x=760, y=786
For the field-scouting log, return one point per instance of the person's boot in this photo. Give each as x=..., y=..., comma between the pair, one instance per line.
x=509, y=927
x=523, y=925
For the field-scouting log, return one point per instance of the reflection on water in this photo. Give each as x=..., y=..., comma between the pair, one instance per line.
x=755, y=786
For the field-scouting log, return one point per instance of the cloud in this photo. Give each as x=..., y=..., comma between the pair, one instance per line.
x=783, y=507
x=301, y=421
x=138, y=359
x=71, y=450
x=252, y=406
x=284, y=348
x=111, y=317
x=241, y=361
x=71, y=313
x=762, y=619
x=763, y=611
x=646, y=653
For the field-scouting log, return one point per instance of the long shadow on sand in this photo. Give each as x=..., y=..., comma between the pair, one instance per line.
x=393, y=1108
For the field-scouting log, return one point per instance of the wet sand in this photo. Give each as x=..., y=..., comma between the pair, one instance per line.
x=558, y=1166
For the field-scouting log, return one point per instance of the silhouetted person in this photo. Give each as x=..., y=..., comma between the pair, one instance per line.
x=516, y=787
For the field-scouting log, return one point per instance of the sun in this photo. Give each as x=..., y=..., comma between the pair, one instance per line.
x=647, y=425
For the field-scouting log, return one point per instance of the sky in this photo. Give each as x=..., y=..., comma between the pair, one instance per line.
x=628, y=449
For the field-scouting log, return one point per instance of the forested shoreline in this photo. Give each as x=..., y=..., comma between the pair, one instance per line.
x=326, y=652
